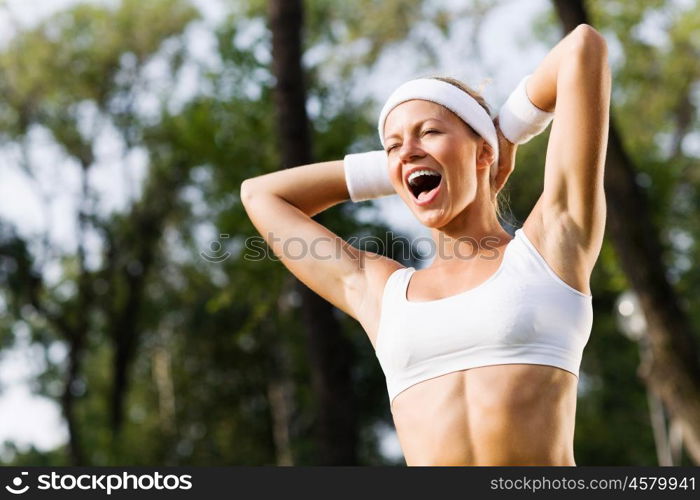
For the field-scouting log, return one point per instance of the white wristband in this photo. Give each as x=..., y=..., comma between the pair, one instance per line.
x=367, y=175
x=519, y=119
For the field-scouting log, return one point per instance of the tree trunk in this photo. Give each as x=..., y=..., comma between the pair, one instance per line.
x=130, y=259
x=75, y=449
x=673, y=372
x=330, y=352
x=279, y=394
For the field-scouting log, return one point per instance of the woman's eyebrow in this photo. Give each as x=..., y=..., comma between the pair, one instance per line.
x=415, y=126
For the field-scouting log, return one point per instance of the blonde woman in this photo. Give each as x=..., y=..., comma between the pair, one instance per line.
x=481, y=349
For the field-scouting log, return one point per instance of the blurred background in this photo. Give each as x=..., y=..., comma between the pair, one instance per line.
x=135, y=328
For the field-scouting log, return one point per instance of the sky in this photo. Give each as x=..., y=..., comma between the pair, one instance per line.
x=28, y=419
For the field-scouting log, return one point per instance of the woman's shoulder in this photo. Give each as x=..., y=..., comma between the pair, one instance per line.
x=377, y=271
x=559, y=246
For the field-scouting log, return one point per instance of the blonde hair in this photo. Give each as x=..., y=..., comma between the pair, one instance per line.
x=501, y=197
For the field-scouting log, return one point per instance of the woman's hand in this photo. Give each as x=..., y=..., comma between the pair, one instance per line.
x=506, y=158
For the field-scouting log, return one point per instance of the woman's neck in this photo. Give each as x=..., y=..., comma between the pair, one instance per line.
x=475, y=231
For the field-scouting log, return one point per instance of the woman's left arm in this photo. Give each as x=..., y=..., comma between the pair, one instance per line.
x=574, y=81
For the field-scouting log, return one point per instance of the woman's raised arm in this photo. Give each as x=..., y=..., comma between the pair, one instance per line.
x=311, y=188
x=574, y=81
x=281, y=204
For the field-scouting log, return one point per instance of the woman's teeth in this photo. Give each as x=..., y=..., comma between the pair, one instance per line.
x=423, y=181
x=418, y=173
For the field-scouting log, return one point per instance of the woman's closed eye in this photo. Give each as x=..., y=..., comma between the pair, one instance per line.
x=430, y=130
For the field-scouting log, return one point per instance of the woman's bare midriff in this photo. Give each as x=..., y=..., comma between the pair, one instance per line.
x=514, y=414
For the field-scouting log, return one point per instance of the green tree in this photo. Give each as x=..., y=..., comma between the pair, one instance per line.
x=73, y=77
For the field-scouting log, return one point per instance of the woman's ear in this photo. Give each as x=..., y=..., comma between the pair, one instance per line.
x=486, y=155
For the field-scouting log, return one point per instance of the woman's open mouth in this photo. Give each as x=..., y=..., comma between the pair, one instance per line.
x=424, y=185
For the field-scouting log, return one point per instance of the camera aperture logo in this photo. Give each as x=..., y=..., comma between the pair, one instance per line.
x=104, y=482
x=215, y=254
x=17, y=488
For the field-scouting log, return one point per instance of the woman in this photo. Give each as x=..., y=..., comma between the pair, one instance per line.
x=481, y=349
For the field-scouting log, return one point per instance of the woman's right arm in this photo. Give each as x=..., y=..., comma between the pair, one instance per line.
x=281, y=204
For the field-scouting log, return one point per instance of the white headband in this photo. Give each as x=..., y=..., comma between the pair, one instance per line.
x=445, y=94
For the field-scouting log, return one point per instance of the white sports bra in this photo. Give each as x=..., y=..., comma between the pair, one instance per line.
x=523, y=313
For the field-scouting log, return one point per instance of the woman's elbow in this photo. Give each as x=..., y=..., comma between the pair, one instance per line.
x=589, y=54
x=247, y=191
x=589, y=43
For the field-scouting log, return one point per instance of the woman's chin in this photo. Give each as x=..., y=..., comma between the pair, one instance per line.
x=433, y=219
x=430, y=215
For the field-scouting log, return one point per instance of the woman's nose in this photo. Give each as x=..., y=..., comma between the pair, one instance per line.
x=410, y=149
